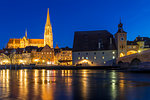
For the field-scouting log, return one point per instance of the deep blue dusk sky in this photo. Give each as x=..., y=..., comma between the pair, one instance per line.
x=68, y=16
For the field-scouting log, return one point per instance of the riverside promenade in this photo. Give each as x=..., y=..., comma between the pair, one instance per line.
x=16, y=67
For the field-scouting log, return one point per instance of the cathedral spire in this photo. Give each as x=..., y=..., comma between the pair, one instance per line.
x=48, y=18
x=26, y=33
x=48, y=35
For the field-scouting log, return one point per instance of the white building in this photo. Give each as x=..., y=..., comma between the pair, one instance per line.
x=94, y=48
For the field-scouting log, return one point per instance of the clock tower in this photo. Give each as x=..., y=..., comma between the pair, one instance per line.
x=121, y=40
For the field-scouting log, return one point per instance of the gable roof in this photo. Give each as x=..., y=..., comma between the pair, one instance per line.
x=90, y=41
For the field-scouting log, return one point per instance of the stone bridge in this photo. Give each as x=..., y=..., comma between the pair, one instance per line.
x=135, y=59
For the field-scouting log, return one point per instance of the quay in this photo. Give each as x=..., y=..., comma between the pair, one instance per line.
x=16, y=67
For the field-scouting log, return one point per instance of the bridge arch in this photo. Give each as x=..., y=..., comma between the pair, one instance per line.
x=135, y=61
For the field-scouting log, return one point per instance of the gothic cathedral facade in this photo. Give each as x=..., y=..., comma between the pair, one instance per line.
x=24, y=42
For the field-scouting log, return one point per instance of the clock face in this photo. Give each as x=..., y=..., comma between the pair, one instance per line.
x=122, y=38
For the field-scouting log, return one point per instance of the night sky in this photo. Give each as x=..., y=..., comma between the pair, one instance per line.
x=68, y=16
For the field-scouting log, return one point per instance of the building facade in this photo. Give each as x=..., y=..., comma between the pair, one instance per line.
x=94, y=48
x=24, y=42
x=43, y=56
x=125, y=47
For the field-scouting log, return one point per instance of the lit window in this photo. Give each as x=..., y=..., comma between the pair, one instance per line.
x=134, y=47
x=113, y=52
x=87, y=58
x=104, y=62
x=79, y=58
x=82, y=57
x=103, y=57
x=113, y=57
x=94, y=57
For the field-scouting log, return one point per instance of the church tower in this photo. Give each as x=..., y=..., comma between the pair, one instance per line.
x=48, y=35
x=121, y=40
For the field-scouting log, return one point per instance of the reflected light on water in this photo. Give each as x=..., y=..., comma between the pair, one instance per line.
x=71, y=84
x=84, y=84
x=113, y=78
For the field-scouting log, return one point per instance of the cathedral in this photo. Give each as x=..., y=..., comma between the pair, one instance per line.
x=25, y=41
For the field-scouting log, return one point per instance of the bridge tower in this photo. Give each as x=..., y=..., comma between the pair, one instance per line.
x=121, y=40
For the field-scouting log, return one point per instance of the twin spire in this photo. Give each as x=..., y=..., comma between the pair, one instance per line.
x=47, y=22
x=26, y=34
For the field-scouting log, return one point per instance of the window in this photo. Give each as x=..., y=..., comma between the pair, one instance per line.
x=87, y=58
x=134, y=47
x=94, y=53
x=113, y=57
x=86, y=53
x=82, y=57
x=94, y=57
x=78, y=53
x=102, y=52
x=104, y=62
x=79, y=58
x=103, y=57
x=113, y=52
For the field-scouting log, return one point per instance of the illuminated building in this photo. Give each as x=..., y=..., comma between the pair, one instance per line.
x=23, y=42
x=125, y=47
x=43, y=55
x=63, y=56
x=94, y=48
x=4, y=59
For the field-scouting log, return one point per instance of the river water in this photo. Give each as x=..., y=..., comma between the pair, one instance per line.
x=73, y=85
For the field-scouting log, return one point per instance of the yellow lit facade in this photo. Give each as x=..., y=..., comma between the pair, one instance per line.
x=23, y=42
x=63, y=56
x=43, y=56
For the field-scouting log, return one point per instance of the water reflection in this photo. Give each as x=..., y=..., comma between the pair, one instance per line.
x=72, y=84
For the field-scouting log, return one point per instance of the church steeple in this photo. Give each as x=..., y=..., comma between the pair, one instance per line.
x=48, y=35
x=120, y=27
x=26, y=34
x=48, y=18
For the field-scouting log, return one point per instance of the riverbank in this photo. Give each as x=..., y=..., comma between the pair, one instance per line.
x=16, y=67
